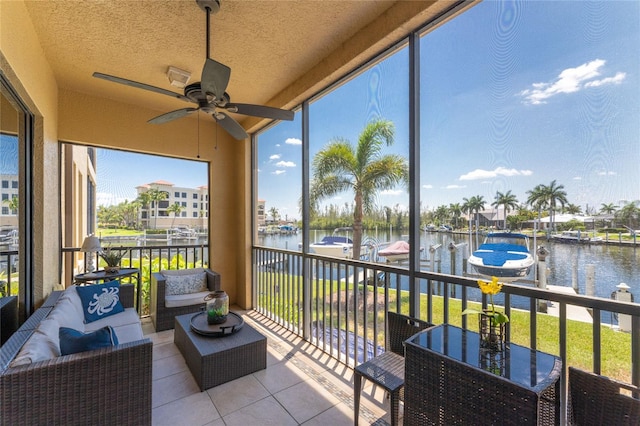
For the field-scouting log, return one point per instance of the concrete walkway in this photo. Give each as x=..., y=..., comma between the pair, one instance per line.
x=576, y=313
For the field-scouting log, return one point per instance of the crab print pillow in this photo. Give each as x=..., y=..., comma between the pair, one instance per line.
x=100, y=300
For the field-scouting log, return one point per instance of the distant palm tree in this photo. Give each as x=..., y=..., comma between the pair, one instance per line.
x=630, y=214
x=608, y=208
x=144, y=198
x=572, y=209
x=548, y=196
x=274, y=214
x=12, y=203
x=508, y=201
x=362, y=169
x=455, y=209
x=474, y=205
x=156, y=196
x=176, y=209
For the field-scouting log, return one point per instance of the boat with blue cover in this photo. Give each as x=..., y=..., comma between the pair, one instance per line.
x=504, y=255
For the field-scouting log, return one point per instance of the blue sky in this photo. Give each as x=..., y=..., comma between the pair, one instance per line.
x=120, y=172
x=513, y=95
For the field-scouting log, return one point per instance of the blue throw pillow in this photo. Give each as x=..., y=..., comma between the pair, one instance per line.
x=74, y=341
x=100, y=300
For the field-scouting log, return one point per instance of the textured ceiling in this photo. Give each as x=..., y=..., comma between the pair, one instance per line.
x=267, y=44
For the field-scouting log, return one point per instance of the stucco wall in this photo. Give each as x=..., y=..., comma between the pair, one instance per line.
x=23, y=63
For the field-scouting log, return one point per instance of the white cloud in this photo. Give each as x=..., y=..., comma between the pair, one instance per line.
x=277, y=145
x=577, y=178
x=285, y=164
x=570, y=80
x=455, y=186
x=427, y=186
x=274, y=157
x=392, y=192
x=490, y=174
x=293, y=141
x=278, y=172
x=607, y=173
x=617, y=79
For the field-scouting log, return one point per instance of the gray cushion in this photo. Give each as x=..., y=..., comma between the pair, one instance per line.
x=185, y=299
x=185, y=281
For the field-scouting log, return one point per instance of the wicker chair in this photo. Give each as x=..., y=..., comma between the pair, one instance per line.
x=163, y=317
x=387, y=370
x=596, y=400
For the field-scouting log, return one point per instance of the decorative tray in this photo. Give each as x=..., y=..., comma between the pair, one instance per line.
x=232, y=325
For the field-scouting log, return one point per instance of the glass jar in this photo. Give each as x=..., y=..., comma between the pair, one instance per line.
x=217, y=307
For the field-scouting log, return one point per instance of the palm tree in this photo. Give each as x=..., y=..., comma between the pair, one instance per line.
x=156, y=195
x=508, y=201
x=572, y=209
x=474, y=205
x=274, y=214
x=362, y=169
x=608, y=208
x=176, y=209
x=12, y=203
x=548, y=196
x=629, y=214
x=144, y=198
x=455, y=209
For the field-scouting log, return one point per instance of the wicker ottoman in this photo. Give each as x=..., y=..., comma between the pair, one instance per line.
x=217, y=360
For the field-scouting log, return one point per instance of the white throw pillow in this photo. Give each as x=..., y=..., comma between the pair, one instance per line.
x=185, y=281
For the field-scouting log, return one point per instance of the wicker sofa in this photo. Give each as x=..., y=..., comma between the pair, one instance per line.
x=164, y=307
x=103, y=386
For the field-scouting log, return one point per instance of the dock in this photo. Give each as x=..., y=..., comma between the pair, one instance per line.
x=576, y=313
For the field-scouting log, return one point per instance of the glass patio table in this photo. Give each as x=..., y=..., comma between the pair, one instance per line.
x=449, y=379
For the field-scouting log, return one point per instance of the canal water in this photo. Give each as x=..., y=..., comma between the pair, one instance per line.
x=567, y=263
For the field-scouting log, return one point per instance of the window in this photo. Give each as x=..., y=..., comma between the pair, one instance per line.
x=195, y=214
x=183, y=204
x=176, y=194
x=195, y=196
x=16, y=153
x=5, y=197
x=183, y=214
x=195, y=205
x=184, y=195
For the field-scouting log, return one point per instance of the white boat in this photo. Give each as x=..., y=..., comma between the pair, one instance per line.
x=337, y=245
x=571, y=237
x=504, y=255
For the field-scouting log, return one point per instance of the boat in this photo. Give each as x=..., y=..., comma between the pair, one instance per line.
x=336, y=245
x=571, y=237
x=396, y=252
x=504, y=255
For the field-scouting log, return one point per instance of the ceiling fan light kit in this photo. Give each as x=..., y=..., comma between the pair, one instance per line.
x=177, y=77
x=209, y=94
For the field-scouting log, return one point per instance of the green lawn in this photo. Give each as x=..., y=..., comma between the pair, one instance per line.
x=615, y=346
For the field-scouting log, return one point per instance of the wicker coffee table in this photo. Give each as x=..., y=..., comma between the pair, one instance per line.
x=217, y=360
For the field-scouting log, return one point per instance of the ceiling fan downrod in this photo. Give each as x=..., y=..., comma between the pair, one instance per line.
x=209, y=7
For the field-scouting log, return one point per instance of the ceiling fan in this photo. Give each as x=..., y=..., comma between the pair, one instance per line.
x=209, y=94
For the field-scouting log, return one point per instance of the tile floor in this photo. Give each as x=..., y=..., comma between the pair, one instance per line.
x=300, y=386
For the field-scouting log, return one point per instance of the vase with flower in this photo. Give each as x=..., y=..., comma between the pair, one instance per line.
x=491, y=323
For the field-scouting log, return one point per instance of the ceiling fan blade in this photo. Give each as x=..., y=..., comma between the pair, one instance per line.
x=143, y=86
x=215, y=78
x=260, y=111
x=173, y=115
x=230, y=125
